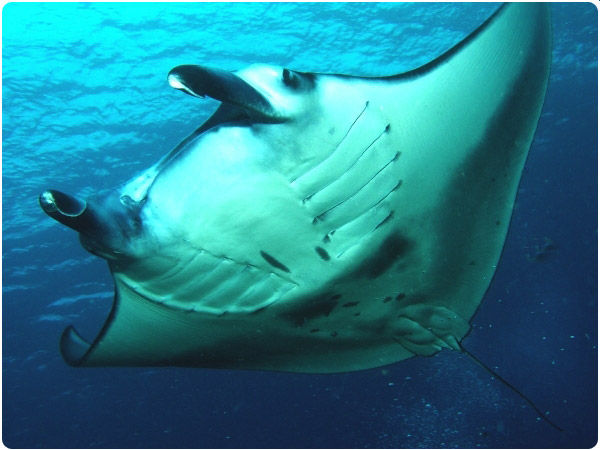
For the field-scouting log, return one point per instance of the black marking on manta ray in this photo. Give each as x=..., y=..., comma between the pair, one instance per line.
x=326, y=238
x=387, y=128
x=400, y=296
x=350, y=304
x=391, y=250
x=322, y=253
x=357, y=314
x=321, y=216
x=387, y=299
x=334, y=333
x=315, y=330
x=320, y=306
x=278, y=265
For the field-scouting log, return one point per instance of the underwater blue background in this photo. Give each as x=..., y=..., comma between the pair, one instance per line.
x=86, y=106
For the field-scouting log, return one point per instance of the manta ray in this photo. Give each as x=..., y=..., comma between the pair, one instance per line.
x=320, y=222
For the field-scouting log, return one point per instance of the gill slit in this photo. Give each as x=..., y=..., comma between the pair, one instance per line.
x=352, y=165
x=336, y=147
x=396, y=156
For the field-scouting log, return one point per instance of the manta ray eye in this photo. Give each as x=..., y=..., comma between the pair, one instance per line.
x=290, y=79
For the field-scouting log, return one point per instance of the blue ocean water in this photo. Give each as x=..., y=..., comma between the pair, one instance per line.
x=86, y=106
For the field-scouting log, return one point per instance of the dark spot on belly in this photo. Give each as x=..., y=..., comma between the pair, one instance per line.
x=268, y=258
x=314, y=330
x=319, y=306
x=350, y=304
x=400, y=296
x=322, y=253
x=326, y=239
x=472, y=263
x=392, y=250
x=497, y=222
x=387, y=299
x=357, y=314
x=333, y=333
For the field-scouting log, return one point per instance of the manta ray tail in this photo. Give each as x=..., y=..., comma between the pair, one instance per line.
x=513, y=388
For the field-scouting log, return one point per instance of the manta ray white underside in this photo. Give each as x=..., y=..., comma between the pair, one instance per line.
x=319, y=222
